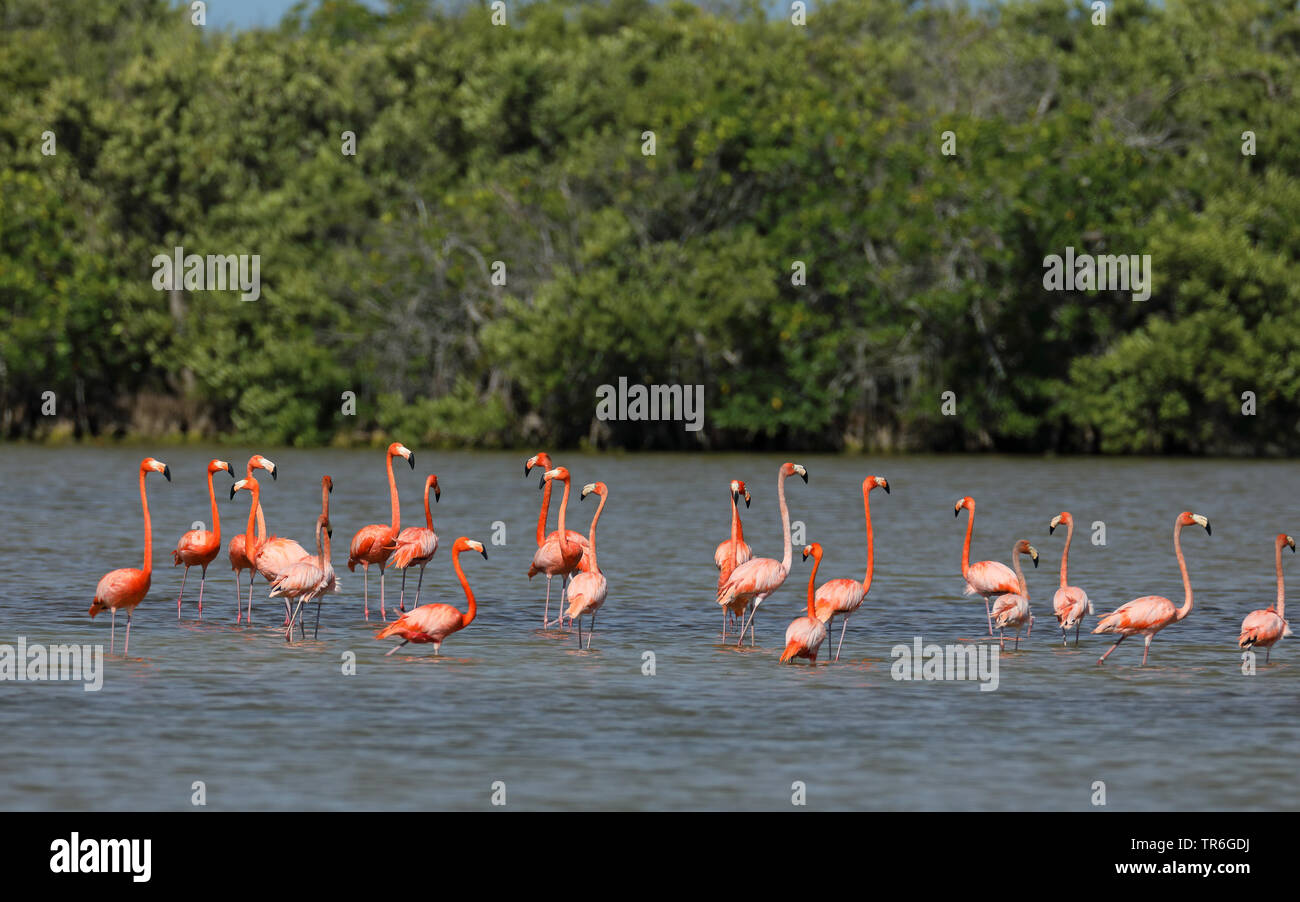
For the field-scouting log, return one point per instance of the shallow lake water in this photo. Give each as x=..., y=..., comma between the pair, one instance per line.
x=265, y=725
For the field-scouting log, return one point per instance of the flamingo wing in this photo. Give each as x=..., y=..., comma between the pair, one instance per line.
x=757, y=576
x=722, y=555
x=275, y=556
x=990, y=578
x=302, y=578
x=427, y=623
x=126, y=586
x=842, y=596
x=802, y=638
x=415, y=545
x=1138, y=615
x=1261, y=628
x=371, y=545
x=586, y=593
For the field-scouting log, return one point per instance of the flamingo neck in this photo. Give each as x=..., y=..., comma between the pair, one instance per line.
x=216, y=517
x=785, y=522
x=812, y=579
x=1065, y=555
x=871, y=550
x=541, y=518
x=428, y=515
x=392, y=497
x=254, y=513
x=261, y=522
x=148, y=530
x=564, y=505
x=324, y=500
x=592, y=539
x=1281, y=591
x=468, y=616
x=1020, y=574
x=736, y=535
x=1187, y=580
x=320, y=551
x=965, y=549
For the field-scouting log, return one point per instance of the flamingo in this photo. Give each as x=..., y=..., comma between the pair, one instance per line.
x=543, y=460
x=987, y=578
x=734, y=551
x=198, y=546
x=435, y=622
x=309, y=578
x=127, y=587
x=1012, y=609
x=587, y=591
x=1262, y=629
x=560, y=554
x=374, y=544
x=417, y=544
x=841, y=597
x=751, y=582
x=805, y=635
x=1150, y=614
x=1070, y=602
x=239, y=561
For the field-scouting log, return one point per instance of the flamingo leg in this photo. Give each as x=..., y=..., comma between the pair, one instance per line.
x=748, y=623
x=182, y=595
x=843, y=627
x=382, y=612
x=404, y=641
x=239, y=599
x=251, y=577
x=1146, y=648
x=365, y=580
x=1266, y=651
x=546, y=614
x=418, y=584
x=590, y=632
x=1076, y=632
x=127, y=647
x=401, y=603
x=579, y=634
x=1065, y=637
x=286, y=611
x=1112, y=648
x=112, y=633
x=203, y=579
x=988, y=612
x=288, y=636
x=316, y=632
x=724, y=624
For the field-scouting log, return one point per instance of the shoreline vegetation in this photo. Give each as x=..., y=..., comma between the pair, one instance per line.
x=828, y=226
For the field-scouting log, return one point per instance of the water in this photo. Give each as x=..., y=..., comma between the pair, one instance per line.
x=265, y=726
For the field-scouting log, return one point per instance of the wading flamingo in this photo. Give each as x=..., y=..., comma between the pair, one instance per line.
x=435, y=622
x=198, y=546
x=560, y=554
x=1262, y=629
x=374, y=544
x=417, y=544
x=751, y=582
x=308, y=579
x=841, y=597
x=1070, y=602
x=1150, y=614
x=1012, y=610
x=733, y=552
x=543, y=460
x=587, y=591
x=805, y=635
x=239, y=561
x=127, y=587
x=986, y=578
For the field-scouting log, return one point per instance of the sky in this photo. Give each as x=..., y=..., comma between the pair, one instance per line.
x=252, y=13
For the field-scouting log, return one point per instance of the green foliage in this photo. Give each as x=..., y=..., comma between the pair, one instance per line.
x=517, y=151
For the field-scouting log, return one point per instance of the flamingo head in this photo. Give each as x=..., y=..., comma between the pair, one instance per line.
x=464, y=544
x=540, y=459
x=559, y=473
x=431, y=482
x=1284, y=539
x=1023, y=547
x=248, y=483
x=258, y=462
x=875, y=482
x=813, y=551
x=597, y=487
x=327, y=484
x=738, y=491
x=967, y=503
x=156, y=466
x=1187, y=518
x=217, y=466
x=96, y=606
x=397, y=449
x=1062, y=517
x=791, y=469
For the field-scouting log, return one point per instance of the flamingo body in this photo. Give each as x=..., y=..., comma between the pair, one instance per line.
x=803, y=639
x=427, y=623
x=1070, y=603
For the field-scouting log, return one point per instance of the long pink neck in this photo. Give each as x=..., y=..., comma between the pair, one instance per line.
x=564, y=504
x=1065, y=555
x=216, y=517
x=1281, y=592
x=735, y=531
x=468, y=616
x=1182, y=565
x=785, y=522
x=541, y=517
x=428, y=515
x=871, y=550
x=812, y=579
x=254, y=510
x=148, y=528
x=1020, y=574
x=965, y=549
x=392, y=496
x=592, y=538
x=261, y=520
x=324, y=499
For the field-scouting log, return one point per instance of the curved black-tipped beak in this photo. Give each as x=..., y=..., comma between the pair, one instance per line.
x=527, y=469
x=804, y=475
x=232, y=493
x=437, y=494
x=886, y=488
x=230, y=469
x=329, y=531
x=1293, y=549
x=1035, y=563
x=1051, y=528
x=956, y=511
x=411, y=460
x=167, y=472
x=746, y=501
x=275, y=474
x=484, y=553
x=805, y=555
x=1208, y=532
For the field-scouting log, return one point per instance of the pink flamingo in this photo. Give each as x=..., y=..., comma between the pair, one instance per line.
x=198, y=546
x=1012, y=609
x=435, y=622
x=734, y=551
x=551, y=554
x=560, y=554
x=309, y=578
x=417, y=544
x=375, y=543
x=1070, y=602
x=239, y=561
x=127, y=587
x=751, y=582
x=841, y=597
x=805, y=635
x=587, y=591
x=1263, y=629
x=1150, y=614
x=986, y=578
